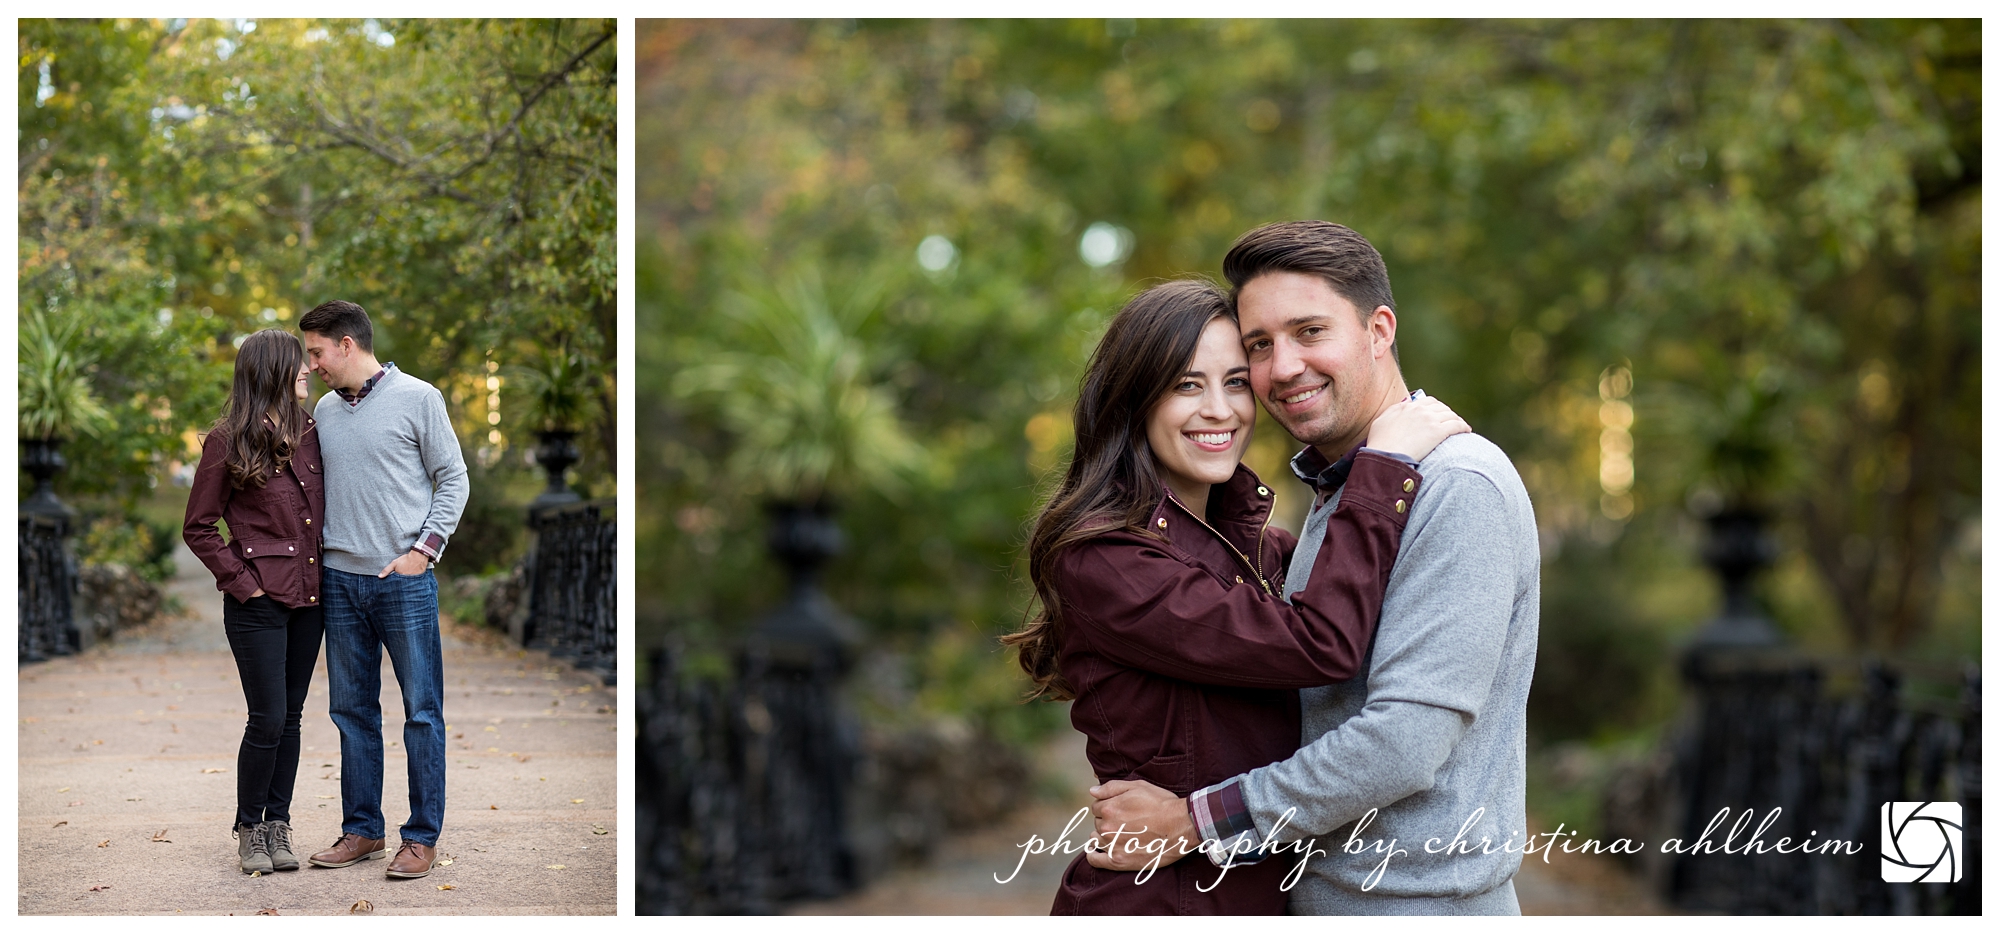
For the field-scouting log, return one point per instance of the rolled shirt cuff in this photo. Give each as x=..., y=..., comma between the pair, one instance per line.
x=1228, y=833
x=431, y=544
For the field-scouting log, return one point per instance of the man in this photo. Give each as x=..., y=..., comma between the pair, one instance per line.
x=395, y=485
x=1433, y=735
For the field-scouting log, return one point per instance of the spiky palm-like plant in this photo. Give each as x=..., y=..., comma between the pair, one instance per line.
x=57, y=401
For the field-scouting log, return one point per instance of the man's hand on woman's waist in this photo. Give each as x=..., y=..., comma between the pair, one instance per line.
x=1132, y=818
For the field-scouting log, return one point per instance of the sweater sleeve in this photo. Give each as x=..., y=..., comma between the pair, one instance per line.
x=1434, y=665
x=444, y=463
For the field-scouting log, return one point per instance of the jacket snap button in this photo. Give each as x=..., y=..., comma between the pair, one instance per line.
x=1163, y=522
x=248, y=550
x=1239, y=578
x=313, y=599
x=309, y=560
x=291, y=548
x=1261, y=491
x=1401, y=505
x=1409, y=485
x=309, y=522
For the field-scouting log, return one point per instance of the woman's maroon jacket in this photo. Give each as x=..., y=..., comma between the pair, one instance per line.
x=1186, y=663
x=274, y=530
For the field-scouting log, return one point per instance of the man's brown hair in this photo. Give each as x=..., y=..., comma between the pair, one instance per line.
x=337, y=319
x=1346, y=261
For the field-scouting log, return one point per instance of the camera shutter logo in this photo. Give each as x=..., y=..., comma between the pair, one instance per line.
x=1923, y=841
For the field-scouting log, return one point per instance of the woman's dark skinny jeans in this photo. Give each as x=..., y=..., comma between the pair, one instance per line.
x=276, y=647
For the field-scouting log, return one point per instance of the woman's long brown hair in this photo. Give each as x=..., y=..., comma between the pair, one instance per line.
x=1112, y=481
x=267, y=367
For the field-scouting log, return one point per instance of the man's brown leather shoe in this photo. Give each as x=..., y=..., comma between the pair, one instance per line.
x=413, y=861
x=351, y=848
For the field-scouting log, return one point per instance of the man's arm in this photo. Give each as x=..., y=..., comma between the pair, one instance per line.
x=1443, y=632
x=1443, y=637
x=445, y=465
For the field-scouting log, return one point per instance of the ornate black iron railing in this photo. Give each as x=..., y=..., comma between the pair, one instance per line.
x=47, y=588
x=743, y=789
x=1829, y=743
x=572, y=575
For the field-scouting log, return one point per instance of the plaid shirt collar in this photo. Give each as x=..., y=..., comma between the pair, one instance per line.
x=355, y=397
x=1310, y=467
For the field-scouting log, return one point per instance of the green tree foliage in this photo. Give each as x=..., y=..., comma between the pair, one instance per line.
x=184, y=183
x=1739, y=257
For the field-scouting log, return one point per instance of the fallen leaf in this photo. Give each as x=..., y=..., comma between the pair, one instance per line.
x=446, y=887
x=493, y=807
x=446, y=861
x=556, y=866
x=361, y=907
x=255, y=873
x=492, y=749
x=161, y=837
x=576, y=800
x=267, y=911
x=62, y=789
x=212, y=771
x=59, y=824
x=104, y=844
x=97, y=742
x=598, y=829
x=99, y=888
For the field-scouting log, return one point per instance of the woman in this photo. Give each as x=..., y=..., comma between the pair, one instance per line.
x=260, y=472
x=1160, y=581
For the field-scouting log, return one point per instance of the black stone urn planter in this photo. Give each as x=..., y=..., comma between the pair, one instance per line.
x=556, y=453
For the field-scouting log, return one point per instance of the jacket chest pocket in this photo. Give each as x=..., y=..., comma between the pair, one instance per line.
x=277, y=562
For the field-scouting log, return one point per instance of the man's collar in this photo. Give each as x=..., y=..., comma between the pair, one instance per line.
x=367, y=384
x=1311, y=467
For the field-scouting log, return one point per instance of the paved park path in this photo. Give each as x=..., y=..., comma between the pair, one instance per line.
x=959, y=879
x=128, y=784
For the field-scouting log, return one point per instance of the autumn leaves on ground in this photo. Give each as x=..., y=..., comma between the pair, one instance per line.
x=127, y=783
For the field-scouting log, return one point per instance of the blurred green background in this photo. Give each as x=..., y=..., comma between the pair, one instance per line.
x=184, y=183
x=1668, y=267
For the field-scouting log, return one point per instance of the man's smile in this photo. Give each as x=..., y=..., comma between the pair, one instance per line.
x=1300, y=396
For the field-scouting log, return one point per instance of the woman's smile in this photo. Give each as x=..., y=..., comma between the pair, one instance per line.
x=1217, y=442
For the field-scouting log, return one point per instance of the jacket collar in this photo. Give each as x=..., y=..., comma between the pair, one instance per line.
x=1239, y=508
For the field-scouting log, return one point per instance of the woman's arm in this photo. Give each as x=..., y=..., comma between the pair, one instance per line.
x=1142, y=607
x=208, y=497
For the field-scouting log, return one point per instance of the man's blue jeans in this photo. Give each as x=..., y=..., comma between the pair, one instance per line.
x=364, y=615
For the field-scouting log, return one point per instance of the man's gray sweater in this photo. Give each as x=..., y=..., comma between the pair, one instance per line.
x=394, y=473
x=1436, y=730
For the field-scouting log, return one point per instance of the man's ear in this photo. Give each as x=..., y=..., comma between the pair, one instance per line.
x=1382, y=331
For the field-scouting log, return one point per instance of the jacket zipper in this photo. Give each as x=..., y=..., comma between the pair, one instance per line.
x=1256, y=567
